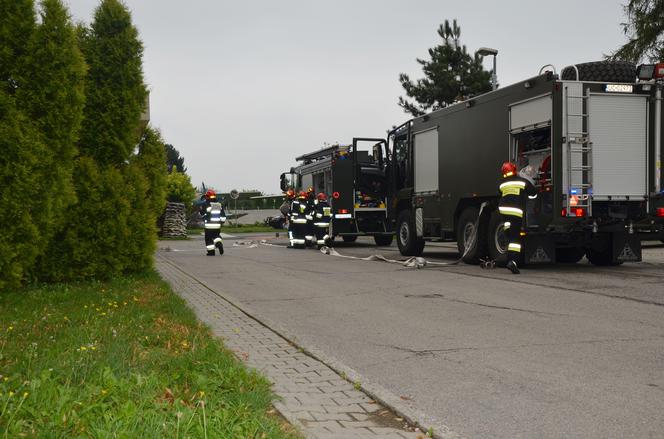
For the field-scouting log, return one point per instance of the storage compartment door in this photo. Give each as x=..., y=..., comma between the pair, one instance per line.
x=618, y=132
x=425, y=150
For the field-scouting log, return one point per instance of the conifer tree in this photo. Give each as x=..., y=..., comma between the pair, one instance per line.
x=51, y=95
x=644, y=30
x=115, y=91
x=112, y=229
x=450, y=75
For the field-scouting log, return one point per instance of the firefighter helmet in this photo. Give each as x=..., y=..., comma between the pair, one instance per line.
x=508, y=169
x=290, y=193
x=210, y=194
x=302, y=194
x=321, y=196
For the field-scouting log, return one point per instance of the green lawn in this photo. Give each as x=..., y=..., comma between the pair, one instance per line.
x=123, y=359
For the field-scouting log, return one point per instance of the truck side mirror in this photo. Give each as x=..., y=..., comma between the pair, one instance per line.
x=282, y=183
x=378, y=154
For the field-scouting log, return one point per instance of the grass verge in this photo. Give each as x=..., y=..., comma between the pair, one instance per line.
x=124, y=358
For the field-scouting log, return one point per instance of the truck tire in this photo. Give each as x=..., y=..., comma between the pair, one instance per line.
x=497, y=239
x=383, y=240
x=467, y=225
x=600, y=258
x=407, y=241
x=349, y=238
x=602, y=71
x=569, y=255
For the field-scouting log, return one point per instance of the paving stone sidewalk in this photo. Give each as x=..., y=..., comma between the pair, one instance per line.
x=312, y=396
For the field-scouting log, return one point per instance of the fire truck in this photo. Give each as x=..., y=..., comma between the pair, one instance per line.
x=354, y=177
x=594, y=135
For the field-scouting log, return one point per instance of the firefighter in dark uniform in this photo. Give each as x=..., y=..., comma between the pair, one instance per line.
x=297, y=221
x=322, y=216
x=310, y=234
x=213, y=216
x=514, y=191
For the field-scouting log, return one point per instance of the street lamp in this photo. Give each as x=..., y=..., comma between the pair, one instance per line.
x=484, y=51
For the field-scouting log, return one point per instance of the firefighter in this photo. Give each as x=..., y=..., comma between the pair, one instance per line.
x=322, y=218
x=310, y=234
x=213, y=216
x=514, y=191
x=297, y=221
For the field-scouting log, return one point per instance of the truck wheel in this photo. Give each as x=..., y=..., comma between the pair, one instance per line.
x=407, y=241
x=349, y=238
x=383, y=240
x=497, y=239
x=568, y=255
x=601, y=258
x=470, y=229
x=602, y=71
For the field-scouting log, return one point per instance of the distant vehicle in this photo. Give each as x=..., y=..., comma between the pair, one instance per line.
x=355, y=181
x=276, y=222
x=595, y=137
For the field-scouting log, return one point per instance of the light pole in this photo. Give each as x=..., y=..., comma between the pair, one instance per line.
x=484, y=51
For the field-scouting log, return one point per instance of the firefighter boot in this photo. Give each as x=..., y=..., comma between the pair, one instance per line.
x=219, y=244
x=511, y=266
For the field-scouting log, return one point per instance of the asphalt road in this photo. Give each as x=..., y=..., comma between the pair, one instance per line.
x=559, y=351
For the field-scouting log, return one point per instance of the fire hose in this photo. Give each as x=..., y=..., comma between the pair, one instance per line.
x=418, y=261
x=412, y=262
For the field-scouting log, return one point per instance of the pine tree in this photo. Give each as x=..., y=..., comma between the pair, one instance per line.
x=644, y=30
x=451, y=74
x=174, y=161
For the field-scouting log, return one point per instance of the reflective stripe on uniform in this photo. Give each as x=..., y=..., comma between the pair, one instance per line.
x=320, y=242
x=299, y=221
x=321, y=224
x=514, y=247
x=216, y=240
x=297, y=241
x=209, y=247
x=215, y=212
x=506, y=225
x=518, y=184
x=513, y=211
x=212, y=226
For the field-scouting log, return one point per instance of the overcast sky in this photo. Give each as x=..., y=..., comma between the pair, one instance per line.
x=241, y=88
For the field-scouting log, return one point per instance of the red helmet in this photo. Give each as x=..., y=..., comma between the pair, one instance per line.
x=302, y=194
x=508, y=169
x=290, y=193
x=210, y=194
x=321, y=196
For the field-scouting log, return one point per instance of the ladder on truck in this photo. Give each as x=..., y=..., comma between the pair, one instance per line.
x=579, y=155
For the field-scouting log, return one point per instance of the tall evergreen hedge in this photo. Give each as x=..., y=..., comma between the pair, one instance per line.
x=81, y=184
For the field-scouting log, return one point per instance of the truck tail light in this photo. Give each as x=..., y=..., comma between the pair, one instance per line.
x=659, y=70
x=660, y=212
x=335, y=195
x=342, y=211
x=563, y=212
x=580, y=212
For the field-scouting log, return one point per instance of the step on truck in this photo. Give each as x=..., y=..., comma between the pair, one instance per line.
x=354, y=177
x=594, y=135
